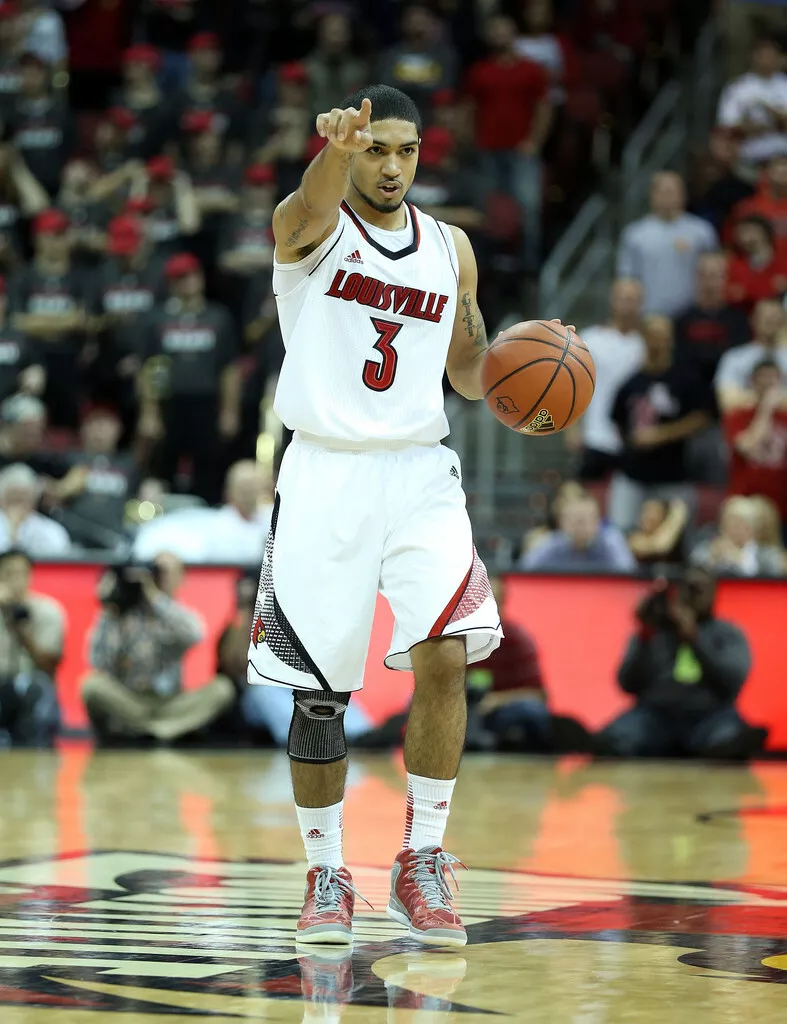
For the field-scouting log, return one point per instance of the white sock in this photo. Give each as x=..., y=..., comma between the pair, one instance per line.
x=321, y=831
x=428, y=803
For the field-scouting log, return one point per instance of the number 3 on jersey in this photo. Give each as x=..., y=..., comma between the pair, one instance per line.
x=380, y=376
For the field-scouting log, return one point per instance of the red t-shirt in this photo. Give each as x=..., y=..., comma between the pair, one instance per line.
x=506, y=95
x=762, y=205
x=514, y=665
x=766, y=473
x=746, y=285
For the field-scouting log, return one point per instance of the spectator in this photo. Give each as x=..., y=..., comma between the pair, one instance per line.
x=754, y=105
x=568, y=491
x=169, y=28
x=542, y=44
x=618, y=351
x=656, y=411
x=204, y=92
x=768, y=530
x=734, y=373
x=246, y=243
x=507, y=692
x=22, y=438
x=757, y=439
x=232, y=535
x=102, y=480
x=20, y=525
x=40, y=125
x=88, y=218
x=658, y=536
x=716, y=185
x=124, y=288
x=47, y=303
x=769, y=202
x=424, y=61
x=332, y=69
x=215, y=182
x=32, y=629
x=189, y=384
x=582, y=542
x=140, y=695
x=445, y=187
x=21, y=196
x=758, y=269
x=734, y=550
x=710, y=326
x=685, y=669
x=20, y=361
x=662, y=249
x=513, y=115
x=113, y=144
x=173, y=209
x=11, y=30
x=44, y=33
x=141, y=94
x=282, y=136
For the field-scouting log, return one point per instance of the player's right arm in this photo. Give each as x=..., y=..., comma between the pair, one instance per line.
x=309, y=215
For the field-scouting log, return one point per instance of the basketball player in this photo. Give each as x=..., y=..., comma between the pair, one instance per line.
x=375, y=301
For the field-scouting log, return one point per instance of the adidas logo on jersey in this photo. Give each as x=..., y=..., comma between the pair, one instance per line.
x=354, y=257
x=454, y=472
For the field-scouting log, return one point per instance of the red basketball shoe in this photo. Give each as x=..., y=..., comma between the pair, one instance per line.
x=421, y=896
x=327, y=980
x=327, y=914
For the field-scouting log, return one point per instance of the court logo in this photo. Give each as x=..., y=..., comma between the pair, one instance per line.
x=157, y=935
x=542, y=423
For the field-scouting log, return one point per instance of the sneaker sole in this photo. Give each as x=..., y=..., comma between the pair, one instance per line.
x=432, y=937
x=324, y=935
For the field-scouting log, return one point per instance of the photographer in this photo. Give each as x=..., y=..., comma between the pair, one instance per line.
x=136, y=650
x=685, y=668
x=31, y=646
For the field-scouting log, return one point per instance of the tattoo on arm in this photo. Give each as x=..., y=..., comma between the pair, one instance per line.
x=474, y=322
x=296, y=233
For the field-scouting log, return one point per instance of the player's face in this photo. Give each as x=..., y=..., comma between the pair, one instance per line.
x=383, y=174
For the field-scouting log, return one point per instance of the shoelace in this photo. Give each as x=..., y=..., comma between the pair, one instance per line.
x=429, y=874
x=329, y=886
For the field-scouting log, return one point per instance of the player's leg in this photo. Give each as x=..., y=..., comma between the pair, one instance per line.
x=445, y=617
x=311, y=631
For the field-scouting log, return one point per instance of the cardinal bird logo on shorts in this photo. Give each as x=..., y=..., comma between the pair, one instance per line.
x=505, y=404
x=258, y=633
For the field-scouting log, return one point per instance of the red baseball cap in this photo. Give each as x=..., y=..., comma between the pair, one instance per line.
x=436, y=144
x=143, y=54
x=204, y=41
x=260, y=174
x=197, y=121
x=181, y=265
x=139, y=204
x=122, y=117
x=51, y=222
x=124, y=235
x=293, y=72
x=98, y=409
x=161, y=168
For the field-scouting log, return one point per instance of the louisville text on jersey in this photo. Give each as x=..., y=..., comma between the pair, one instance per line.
x=394, y=298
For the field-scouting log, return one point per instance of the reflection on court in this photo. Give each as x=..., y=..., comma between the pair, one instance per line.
x=163, y=885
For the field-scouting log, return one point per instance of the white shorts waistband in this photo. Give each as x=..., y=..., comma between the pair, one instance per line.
x=371, y=445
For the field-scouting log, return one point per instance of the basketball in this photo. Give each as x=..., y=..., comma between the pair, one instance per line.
x=538, y=377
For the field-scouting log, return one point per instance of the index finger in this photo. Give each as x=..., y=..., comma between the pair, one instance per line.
x=365, y=113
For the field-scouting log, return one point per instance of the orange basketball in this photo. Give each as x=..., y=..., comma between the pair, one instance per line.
x=538, y=377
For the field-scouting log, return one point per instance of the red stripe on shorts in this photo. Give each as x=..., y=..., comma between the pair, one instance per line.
x=450, y=608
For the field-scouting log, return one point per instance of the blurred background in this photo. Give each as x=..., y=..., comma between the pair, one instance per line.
x=621, y=164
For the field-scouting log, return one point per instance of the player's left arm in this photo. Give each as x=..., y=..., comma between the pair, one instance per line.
x=468, y=339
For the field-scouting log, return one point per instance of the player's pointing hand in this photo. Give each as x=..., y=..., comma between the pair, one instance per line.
x=348, y=130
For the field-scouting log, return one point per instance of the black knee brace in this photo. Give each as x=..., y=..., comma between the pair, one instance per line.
x=317, y=726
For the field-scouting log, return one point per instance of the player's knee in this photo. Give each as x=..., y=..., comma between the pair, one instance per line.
x=317, y=726
x=440, y=663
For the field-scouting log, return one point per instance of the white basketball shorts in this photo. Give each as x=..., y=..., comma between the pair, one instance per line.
x=347, y=524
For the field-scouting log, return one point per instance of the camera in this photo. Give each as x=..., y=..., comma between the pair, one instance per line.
x=653, y=610
x=126, y=591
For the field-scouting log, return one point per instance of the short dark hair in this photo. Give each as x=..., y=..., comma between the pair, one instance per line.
x=761, y=222
x=387, y=102
x=15, y=553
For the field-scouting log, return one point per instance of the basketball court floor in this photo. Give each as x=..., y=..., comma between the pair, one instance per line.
x=164, y=887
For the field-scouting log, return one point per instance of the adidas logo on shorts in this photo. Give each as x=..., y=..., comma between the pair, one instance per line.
x=314, y=833
x=354, y=257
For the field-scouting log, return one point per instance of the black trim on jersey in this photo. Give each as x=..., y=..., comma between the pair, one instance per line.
x=448, y=250
x=325, y=255
x=408, y=251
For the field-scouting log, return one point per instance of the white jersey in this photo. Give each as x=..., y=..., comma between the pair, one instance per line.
x=366, y=331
